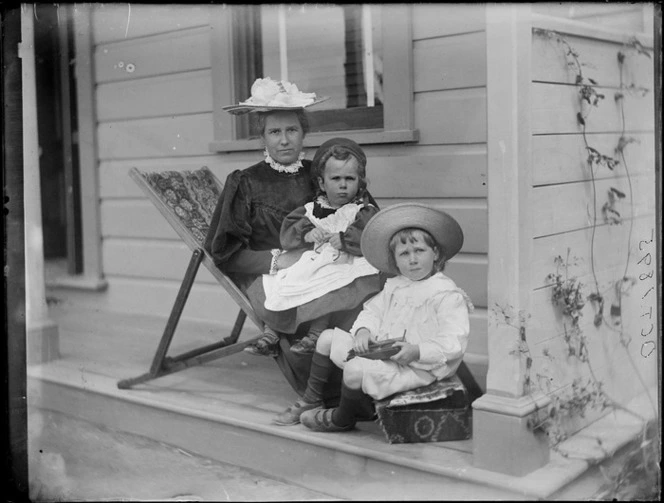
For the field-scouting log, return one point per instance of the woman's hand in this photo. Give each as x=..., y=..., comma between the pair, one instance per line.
x=317, y=236
x=288, y=258
x=335, y=241
x=362, y=338
x=408, y=353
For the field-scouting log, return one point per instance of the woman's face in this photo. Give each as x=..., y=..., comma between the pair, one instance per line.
x=340, y=181
x=283, y=137
x=415, y=259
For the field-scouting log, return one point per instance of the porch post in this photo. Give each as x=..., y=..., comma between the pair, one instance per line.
x=93, y=274
x=42, y=342
x=502, y=439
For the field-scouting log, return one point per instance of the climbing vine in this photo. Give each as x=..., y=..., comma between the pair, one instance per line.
x=568, y=293
x=506, y=316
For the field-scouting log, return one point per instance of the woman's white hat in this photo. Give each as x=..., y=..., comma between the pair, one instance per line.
x=268, y=95
x=387, y=222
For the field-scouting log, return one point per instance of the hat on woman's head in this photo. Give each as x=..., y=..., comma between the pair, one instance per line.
x=340, y=142
x=268, y=95
x=386, y=223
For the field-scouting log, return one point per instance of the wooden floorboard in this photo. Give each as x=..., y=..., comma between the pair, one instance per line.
x=235, y=398
x=117, y=347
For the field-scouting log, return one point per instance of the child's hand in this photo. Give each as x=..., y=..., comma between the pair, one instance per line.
x=409, y=353
x=335, y=241
x=316, y=236
x=288, y=258
x=362, y=338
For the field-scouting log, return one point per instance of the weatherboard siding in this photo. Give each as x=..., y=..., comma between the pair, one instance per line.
x=159, y=116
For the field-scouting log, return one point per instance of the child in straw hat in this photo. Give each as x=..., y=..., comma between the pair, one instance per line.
x=420, y=306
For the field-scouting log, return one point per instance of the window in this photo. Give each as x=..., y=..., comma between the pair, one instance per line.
x=358, y=55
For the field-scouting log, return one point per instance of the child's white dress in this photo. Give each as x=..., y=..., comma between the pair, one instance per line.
x=318, y=271
x=432, y=312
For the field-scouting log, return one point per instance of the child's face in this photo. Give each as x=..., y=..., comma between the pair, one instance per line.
x=340, y=181
x=415, y=260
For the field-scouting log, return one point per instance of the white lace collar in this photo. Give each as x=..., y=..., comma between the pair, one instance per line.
x=290, y=168
x=324, y=202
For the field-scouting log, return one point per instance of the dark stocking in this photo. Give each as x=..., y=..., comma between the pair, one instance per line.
x=318, y=376
x=351, y=404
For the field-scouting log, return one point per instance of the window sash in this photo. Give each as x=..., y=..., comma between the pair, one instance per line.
x=397, y=82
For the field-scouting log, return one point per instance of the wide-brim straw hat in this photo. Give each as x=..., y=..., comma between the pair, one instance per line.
x=268, y=95
x=383, y=225
x=243, y=109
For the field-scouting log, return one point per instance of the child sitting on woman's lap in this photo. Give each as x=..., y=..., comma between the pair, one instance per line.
x=329, y=228
x=421, y=306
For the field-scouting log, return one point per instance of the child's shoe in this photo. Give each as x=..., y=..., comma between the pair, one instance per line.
x=306, y=345
x=268, y=345
x=321, y=420
x=292, y=414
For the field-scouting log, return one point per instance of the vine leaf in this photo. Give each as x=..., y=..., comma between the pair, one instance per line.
x=634, y=42
x=596, y=298
x=580, y=119
x=620, y=194
x=611, y=215
x=594, y=157
x=623, y=142
x=615, y=310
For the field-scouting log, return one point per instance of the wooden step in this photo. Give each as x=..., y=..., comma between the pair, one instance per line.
x=223, y=410
x=354, y=465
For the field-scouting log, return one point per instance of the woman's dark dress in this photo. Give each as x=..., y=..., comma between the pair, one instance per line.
x=245, y=226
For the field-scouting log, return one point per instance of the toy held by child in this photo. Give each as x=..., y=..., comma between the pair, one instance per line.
x=330, y=228
x=420, y=305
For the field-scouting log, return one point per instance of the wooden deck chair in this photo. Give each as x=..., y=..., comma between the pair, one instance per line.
x=187, y=200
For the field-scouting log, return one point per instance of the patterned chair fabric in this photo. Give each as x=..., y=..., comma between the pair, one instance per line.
x=191, y=195
x=187, y=200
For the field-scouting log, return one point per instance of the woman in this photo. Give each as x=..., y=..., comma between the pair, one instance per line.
x=244, y=232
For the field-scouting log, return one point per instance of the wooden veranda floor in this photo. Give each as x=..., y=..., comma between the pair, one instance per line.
x=223, y=410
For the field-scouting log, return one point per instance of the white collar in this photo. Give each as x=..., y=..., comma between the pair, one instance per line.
x=324, y=202
x=290, y=168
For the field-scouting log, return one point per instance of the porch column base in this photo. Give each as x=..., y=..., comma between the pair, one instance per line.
x=79, y=282
x=502, y=439
x=42, y=342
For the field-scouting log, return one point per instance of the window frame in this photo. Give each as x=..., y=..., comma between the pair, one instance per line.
x=398, y=120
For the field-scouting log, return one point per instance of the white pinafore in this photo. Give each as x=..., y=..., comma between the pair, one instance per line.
x=318, y=271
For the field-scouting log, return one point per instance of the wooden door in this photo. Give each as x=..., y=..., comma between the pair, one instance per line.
x=56, y=115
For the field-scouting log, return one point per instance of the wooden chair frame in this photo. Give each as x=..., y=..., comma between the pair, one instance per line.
x=162, y=364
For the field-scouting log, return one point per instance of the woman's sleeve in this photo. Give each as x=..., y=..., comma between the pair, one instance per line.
x=351, y=237
x=293, y=229
x=450, y=343
x=230, y=231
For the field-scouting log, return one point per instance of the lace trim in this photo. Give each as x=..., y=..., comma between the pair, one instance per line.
x=290, y=168
x=324, y=202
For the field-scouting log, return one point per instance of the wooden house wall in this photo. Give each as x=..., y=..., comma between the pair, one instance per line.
x=154, y=105
x=567, y=198
x=629, y=17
